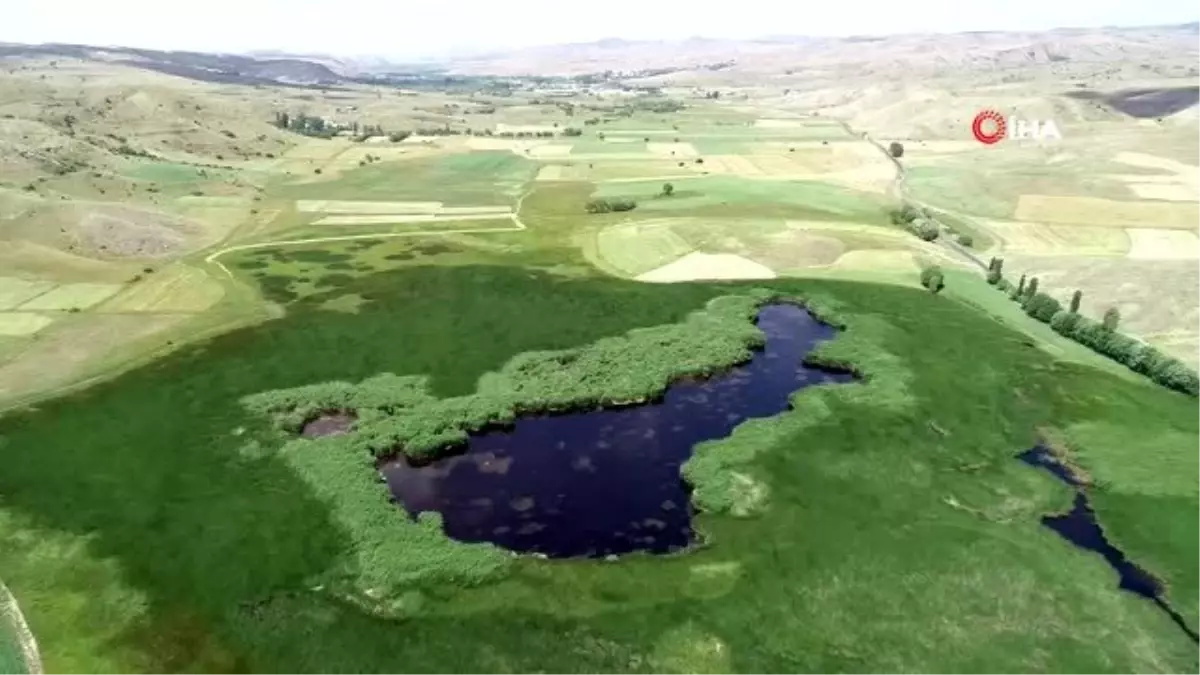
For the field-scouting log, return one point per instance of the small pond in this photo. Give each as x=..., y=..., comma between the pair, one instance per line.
x=1080, y=527
x=606, y=482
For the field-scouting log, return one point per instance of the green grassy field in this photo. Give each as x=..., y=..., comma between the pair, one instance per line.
x=465, y=179
x=749, y=198
x=899, y=533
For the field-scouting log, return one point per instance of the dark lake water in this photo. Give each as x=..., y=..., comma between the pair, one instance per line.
x=1080, y=527
x=606, y=482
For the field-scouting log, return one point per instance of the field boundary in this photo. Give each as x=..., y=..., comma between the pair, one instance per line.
x=11, y=611
x=211, y=258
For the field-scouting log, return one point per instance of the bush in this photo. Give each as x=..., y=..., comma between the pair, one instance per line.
x=904, y=215
x=895, y=149
x=933, y=279
x=604, y=205
x=966, y=240
x=1042, y=307
x=924, y=229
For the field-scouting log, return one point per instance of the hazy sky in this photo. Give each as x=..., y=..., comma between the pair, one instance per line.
x=432, y=27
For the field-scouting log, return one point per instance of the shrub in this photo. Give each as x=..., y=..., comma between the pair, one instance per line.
x=604, y=205
x=668, y=189
x=1064, y=323
x=926, y=230
x=933, y=279
x=895, y=149
x=904, y=215
x=966, y=240
x=1042, y=307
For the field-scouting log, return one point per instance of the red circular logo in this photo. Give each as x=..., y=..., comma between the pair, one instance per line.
x=985, y=119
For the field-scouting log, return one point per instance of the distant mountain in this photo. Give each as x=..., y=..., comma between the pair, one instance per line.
x=897, y=55
x=208, y=67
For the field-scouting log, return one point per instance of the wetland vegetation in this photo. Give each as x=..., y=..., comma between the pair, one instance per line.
x=854, y=503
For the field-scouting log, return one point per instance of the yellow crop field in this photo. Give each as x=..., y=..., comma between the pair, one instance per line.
x=71, y=296
x=1152, y=244
x=179, y=288
x=335, y=206
x=1107, y=212
x=1167, y=192
x=16, y=324
x=383, y=219
x=873, y=260
x=14, y=291
x=550, y=150
x=1057, y=239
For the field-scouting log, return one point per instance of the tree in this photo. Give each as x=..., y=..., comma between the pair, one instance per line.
x=668, y=189
x=933, y=279
x=1076, y=298
x=1031, y=288
x=924, y=229
x=896, y=150
x=1112, y=318
x=995, y=271
x=904, y=215
x=1021, y=286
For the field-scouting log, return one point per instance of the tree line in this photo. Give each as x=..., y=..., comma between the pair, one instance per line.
x=318, y=127
x=1099, y=336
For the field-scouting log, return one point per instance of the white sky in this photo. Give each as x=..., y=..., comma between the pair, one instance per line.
x=405, y=28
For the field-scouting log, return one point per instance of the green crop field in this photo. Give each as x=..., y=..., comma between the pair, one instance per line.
x=465, y=179
x=731, y=195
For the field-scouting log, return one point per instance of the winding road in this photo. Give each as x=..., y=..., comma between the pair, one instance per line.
x=898, y=191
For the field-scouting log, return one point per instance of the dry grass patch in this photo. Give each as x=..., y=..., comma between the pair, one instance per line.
x=550, y=150
x=559, y=172
x=71, y=296
x=731, y=164
x=335, y=206
x=384, y=219
x=17, y=324
x=1152, y=244
x=518, y=146
x=1109, y=212
x=1167, y=192
x=178, y=288
x=769, y=123
x=672, y=149
x=877, y=178
x=474, y=210
x=1044, y=239
x=875, y=260
x=705, y=266
x=70, y=345
x=1154, y=162
x=502, y=127
x=14, y=291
